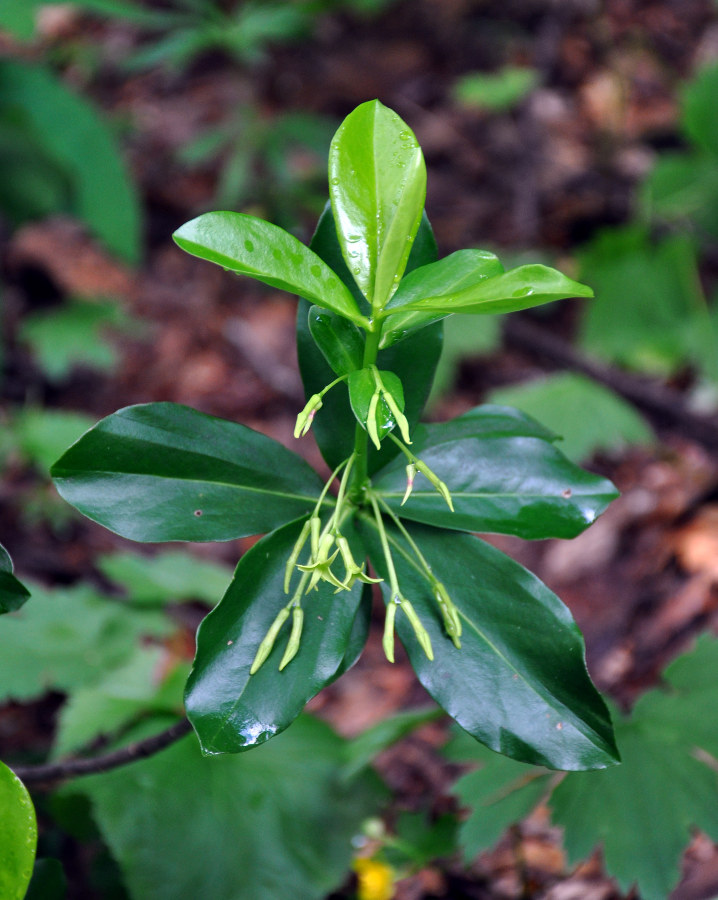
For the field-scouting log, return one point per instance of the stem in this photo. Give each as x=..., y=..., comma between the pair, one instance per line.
x=361, y=437
x=72, y=768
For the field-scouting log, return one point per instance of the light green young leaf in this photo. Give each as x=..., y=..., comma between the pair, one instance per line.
x=18, y=836
x=519, y=682
x=561, y=401
x=165, y=472
x=458, y=272
x=170, y=577
x=520, y=288
x=250, y=246
x=271, y=824
x=377, y=185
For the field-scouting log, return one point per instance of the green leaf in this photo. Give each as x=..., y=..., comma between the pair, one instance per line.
x=232, y=710
x=139, y=686
x=413, y=361
x=18, y=17
x=73, y=334
x=642, y=813
x=271, y=824
x=250, y=246
x=102, y=193
x=48, y=881
x=519, y=682
x=499, y=793
x=495, y=91
x=170, y=577
x=165, y=472
x=683, y=188
x=13, y=593
x=68, y=638
x=438, y=281
x=520, y=485
x=41, y=434
x=377, y=185
x=362, y=388
x=520, y=288
x=18, y=836
x=561, y=402
x=663, y=321
x=340, y=342
x=698, y=102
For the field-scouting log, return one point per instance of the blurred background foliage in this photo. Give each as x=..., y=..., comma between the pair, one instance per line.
x=580, y=133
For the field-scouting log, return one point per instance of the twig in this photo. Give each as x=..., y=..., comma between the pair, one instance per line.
x=73, y=768
x=661, y=403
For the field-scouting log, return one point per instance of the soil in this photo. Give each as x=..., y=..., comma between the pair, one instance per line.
x=544, y=175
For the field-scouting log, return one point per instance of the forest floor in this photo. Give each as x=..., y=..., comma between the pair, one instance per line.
x=644, y=579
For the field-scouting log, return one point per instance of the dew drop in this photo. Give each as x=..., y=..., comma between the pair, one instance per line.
x=249, y=246
x=277, y=254
x=353, y=238
x=316, y=271
x=356, y=270
x=334, y=181
x=523, y=292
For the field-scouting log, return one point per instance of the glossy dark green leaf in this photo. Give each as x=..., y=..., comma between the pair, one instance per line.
x=250, y=246
x=12, y=592
x=377, y=185
x=268, y=825
x=414, y=360
x=232, y=710
x=165, y=472
x=362, y=388
x=511, y=485
x=18, y=836
x=518, y=289
x=519, y=682
x=458, y=272
x=340, y=341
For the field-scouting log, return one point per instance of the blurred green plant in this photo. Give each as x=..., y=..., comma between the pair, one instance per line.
x=276, y=165
x=495, y=91
x=57, y=155
x=642, y=813
x=75, y=334
x=560, y=402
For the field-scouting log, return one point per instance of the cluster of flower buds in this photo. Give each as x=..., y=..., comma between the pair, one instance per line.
x=327, y=544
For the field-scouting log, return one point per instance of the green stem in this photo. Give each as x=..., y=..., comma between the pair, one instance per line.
x=361, y=437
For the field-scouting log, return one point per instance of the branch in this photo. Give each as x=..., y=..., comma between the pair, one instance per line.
x=661, y=403
x=73, y=768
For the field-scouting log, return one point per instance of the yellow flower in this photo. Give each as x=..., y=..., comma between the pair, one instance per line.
x=376, y=879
